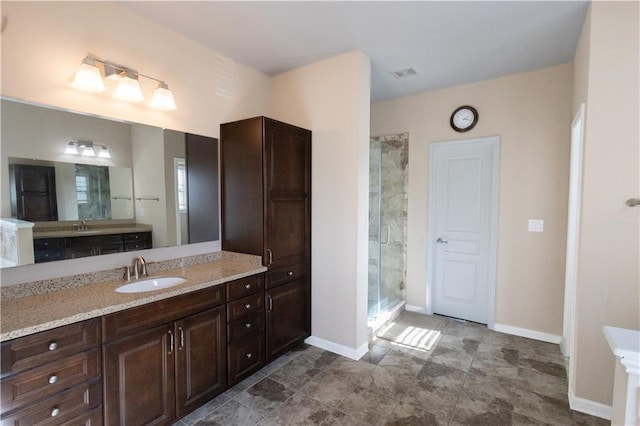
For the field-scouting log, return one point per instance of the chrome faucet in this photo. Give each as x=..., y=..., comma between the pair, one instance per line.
x=139, y=267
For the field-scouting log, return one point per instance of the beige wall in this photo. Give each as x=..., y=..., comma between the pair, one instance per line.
x=44, y=42
x=531, y=113
x=331, y=98
x=608, y=287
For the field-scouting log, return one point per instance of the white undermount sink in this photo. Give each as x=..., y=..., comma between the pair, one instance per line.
x=151, y=284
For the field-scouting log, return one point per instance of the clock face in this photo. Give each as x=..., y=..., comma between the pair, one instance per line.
x=464, y=119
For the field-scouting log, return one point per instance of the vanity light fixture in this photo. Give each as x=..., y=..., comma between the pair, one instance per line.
x=104, y=152
x=71, y=149
x=89, y=78
x=87, y=149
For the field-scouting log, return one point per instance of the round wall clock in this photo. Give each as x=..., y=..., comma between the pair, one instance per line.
x=464, y=118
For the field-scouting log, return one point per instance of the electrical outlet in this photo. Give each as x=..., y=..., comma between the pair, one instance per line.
x=536, y=225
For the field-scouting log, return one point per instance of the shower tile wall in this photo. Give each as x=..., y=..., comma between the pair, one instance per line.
x=388, y=220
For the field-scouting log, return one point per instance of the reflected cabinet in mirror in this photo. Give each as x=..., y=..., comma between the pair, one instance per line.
x=137, y=186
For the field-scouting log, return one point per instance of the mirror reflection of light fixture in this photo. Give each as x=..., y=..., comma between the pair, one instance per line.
x=89, y=78
x=104, y=152
x=86, y=149
x=71, y=149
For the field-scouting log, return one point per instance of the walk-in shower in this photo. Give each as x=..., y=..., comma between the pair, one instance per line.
x=388, y=176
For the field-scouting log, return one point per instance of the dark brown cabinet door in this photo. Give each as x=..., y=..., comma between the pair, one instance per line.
x=202, y=188
x=139, y=378
x=201, y=359
x=33, y=192
x=288, y=189
x=287, y=317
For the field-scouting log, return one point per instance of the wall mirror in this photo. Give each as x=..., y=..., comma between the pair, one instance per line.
x=163, y=178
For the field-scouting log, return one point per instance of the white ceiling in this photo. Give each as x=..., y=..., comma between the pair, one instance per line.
x=448, y=43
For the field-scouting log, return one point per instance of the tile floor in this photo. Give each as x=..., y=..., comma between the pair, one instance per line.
x=461, y=374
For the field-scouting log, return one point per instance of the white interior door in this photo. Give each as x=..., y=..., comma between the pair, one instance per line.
x=463, y=222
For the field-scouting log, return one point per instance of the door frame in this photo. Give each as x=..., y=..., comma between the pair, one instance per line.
x=567, y=344
x=494, y=143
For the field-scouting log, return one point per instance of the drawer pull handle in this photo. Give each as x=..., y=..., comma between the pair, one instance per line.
x=247, y=286
x=248, y=325
x=247, y=306
x=55, y=411
x=53, y=379
x=249, y=355
x=53, y=346
x=290, y=273
x=270, y=299
x=181, y=330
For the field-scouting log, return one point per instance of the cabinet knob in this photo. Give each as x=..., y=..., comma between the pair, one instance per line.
x=248, y=325
x=55, y=411
x=247, y=286
x=249, y=355
x=247, y=306
x=53, y=379
x=290, y=273
x=53, y=346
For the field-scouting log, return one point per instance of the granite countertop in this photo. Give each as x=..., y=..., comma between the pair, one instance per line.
x=34, y=313
x=98, y=230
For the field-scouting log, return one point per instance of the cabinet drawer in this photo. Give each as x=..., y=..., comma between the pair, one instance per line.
x=48, y=249
x=284, y=275
x=244, y=287
x=41, y=382
x=139, y=245
x=244, y=327
x=133, y=237
x=48, y=243
x=60, y=409
x=245, y=357
x=143, y=317
x=244, y=307
x=37, y=349
x=90, y=418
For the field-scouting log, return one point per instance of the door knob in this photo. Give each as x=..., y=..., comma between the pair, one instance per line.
x=441, y=241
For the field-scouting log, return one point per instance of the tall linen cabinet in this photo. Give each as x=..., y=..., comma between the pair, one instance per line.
x=266, y=211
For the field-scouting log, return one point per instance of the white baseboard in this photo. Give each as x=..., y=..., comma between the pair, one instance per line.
x=416, y=309
x=589, y=407
x=354, y=354
x=530, y=334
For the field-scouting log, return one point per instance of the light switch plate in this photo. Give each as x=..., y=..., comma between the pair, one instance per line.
x=536, y=225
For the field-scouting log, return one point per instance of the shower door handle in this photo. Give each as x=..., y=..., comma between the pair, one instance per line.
x=387, y=234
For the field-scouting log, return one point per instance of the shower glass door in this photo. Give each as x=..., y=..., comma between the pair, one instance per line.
x=387, y=224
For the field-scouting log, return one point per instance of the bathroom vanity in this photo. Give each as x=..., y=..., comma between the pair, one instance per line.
x=87, y=351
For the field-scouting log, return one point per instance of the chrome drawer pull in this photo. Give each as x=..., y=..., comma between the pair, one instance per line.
x=248, y=325
x=247, y=286
x=181, y=338
x=247, y=306
x=290, y=273
x=55, y=411
x=53, y=379
x=249, y=355
x=53, y=346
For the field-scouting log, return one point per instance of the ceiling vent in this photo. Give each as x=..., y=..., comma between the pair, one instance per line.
x=404, y=73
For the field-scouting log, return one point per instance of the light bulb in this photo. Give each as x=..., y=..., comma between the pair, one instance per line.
x=128, y=89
